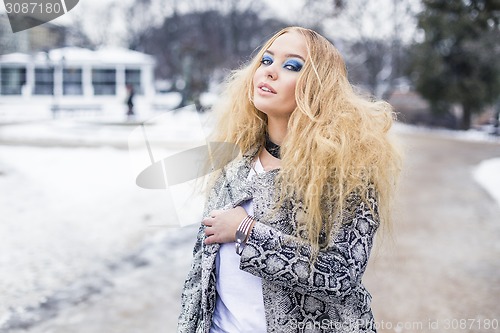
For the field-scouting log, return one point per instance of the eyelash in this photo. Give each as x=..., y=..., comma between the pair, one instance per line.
x=266, y=61
x=294, y=66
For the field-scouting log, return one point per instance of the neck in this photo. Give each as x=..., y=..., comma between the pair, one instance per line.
x=277, y=129
x=276, y=132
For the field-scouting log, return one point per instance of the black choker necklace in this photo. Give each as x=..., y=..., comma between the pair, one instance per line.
x=272, y=148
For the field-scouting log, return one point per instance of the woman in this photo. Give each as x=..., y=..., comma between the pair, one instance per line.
x=289, y=224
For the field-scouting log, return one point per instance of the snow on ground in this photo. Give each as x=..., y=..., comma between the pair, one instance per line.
x=70, y=208
x=469, y=135
x=168, y=128
x=488, y=175
x=66, y=214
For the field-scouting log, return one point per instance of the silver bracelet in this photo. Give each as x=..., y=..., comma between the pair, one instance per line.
x=242, y=233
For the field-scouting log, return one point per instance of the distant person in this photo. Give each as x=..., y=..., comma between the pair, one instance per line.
x=289, y=224
x=496, y=120
x=130, y=101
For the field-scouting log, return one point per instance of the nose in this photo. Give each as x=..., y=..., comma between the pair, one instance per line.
x=271, y=72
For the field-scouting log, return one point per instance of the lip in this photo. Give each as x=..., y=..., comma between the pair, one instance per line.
x=265, y=85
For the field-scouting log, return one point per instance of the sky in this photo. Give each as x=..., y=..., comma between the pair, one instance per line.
x=92, y=12
x=376, y=19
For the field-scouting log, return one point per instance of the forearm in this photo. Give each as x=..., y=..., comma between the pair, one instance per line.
x=288, y=261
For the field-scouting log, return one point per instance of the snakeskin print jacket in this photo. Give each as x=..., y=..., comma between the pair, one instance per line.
x=300, y=294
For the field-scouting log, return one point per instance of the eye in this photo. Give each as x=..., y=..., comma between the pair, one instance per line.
x=266, y=60
x=293, y=65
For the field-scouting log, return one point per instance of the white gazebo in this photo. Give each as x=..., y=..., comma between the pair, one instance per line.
x=72, y=75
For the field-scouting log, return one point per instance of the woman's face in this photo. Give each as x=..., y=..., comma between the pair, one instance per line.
x=274, y=81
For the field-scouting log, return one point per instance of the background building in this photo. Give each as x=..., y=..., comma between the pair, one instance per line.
x=75, y=78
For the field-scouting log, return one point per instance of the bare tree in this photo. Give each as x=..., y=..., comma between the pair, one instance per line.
x=142, y=16
x=371, y=34
x=315, y=12
x=77, y=34
x=190, y=48
x=95, y=24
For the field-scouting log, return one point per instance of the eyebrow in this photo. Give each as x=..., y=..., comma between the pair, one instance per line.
x=289, y=55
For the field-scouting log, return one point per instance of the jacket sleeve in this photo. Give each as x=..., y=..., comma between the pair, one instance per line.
x=337, y=268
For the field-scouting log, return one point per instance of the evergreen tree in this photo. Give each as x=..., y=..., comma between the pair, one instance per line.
x=458, y=61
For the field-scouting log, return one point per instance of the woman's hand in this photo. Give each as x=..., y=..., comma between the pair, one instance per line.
x=221, y=225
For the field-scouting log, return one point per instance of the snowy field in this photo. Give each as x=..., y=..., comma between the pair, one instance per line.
x=71, y=212
x=488, y=175
x=72, y=215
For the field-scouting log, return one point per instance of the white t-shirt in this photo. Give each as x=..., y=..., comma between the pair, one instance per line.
x=240, y=304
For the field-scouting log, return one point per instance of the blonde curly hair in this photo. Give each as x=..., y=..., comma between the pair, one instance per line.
x=337, y=142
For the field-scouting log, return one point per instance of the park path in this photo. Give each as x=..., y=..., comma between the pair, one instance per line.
x=441, y=270
x=441, y=264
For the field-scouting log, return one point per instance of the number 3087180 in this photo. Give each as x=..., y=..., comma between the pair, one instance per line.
x=33, y=7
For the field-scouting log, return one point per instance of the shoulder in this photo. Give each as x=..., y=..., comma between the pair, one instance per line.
x=243, y=161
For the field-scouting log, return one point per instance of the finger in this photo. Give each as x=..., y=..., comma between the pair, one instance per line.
x=210, y=240
x=208, y=231
x=208, y=221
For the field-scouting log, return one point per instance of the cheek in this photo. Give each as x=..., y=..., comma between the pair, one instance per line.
x=256, y=76
x=290, y=88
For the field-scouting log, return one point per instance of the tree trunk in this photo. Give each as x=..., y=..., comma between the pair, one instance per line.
x=496, y=121
x=466, y=117
x=187, y=72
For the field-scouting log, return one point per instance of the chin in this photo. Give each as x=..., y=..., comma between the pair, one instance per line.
x=265, y=110
x=270, y=109
x=261, y=107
